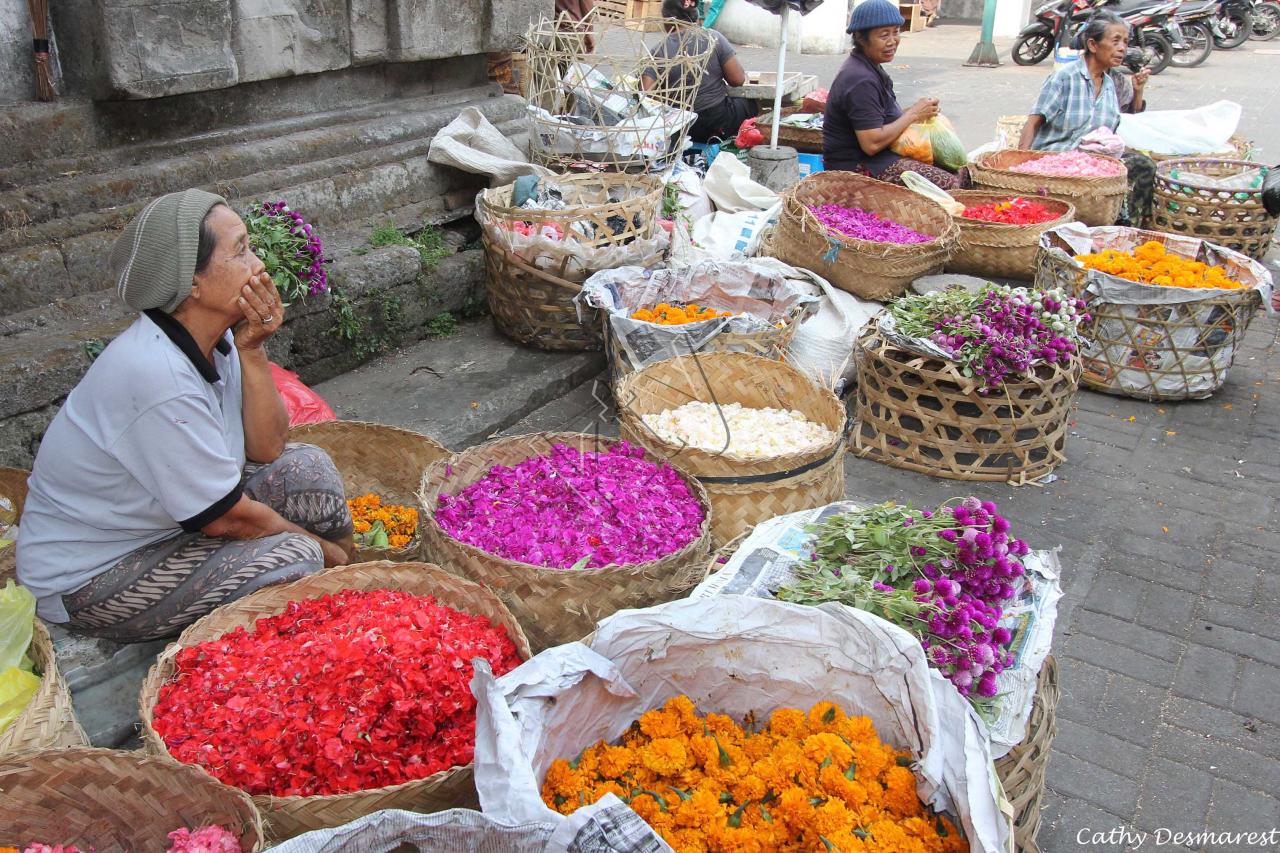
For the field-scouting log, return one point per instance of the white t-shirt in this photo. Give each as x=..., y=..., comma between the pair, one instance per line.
x=150, y=444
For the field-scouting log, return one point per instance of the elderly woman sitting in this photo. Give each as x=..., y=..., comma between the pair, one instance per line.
x=164, y=487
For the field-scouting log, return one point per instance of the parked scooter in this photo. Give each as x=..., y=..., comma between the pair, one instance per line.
x=1194, y=19
x=1232, y=24
x=1266, y=20
x=1035, y=42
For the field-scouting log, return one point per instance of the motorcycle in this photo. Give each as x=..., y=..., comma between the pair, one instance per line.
x=1155, y=31
x=1266, y=20
x=1037, y=38
x=1233, y=23
x=1194, y=22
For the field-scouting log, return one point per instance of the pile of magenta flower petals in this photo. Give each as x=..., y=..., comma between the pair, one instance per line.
x=1070, y=164
x=864, y=225
x=570, y=509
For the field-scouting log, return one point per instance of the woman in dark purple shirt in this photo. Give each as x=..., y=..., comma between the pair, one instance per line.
x=862, y=117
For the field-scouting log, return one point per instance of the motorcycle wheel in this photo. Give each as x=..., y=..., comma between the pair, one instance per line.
x=1199, y=39
x=1266, y=22
x=1158, y=50
x=1032, y=49
x=1236, y=27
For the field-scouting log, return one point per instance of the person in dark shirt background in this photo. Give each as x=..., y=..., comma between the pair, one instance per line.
x=862, y=117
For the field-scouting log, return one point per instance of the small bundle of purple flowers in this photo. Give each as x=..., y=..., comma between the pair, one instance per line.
x=290, y=249
x=945, y=576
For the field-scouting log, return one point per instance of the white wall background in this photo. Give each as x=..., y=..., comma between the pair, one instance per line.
x=822, y=31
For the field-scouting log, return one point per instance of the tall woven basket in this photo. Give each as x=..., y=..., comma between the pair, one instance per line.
x=743, y=491
x=111, y=801
x=1180, y=346
x=1097, y=200
x=1235, y=218
x=1022, y=769
x=531, y=295
x=920, y=413
x=13, y=486
x=994, y=250
x=286, y=817
x=49, y=720
x=555, y=606
x=384, y=460
x=865, y=268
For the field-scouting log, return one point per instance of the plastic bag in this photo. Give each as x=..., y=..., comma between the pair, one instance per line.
x=815, y=101
x=1205, y=130
x=17, y=612
x=471, y=143
x=933, y=142
x=304, y=405
x=17, y=686
x=927, y=188
x=749, y=135
x=731, y=189
x=1102, y=140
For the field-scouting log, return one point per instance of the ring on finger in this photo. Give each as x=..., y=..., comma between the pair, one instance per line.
x=267, y=319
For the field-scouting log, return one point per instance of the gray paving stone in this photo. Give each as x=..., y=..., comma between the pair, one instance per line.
x=1234, y=809
x=1097, y=747
x=1226, y=726
x=1231, y=639
x=1259, y=694
x=1166, y=609
x=1110, y=655
x=1218, y=757
x=1232, y=582
x=1114, y=593
x=1136, y=637
x=1207, y=674
x=1131, y=709
x=1075, y=777
x=1083, y=687
x=1174, y=796
x=1066, y=822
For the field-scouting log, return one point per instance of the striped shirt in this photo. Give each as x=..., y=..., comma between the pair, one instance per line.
x=1071, y=109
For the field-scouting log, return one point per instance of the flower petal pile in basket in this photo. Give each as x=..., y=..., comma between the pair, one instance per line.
x=1168, y=312
x=380, y=465
x=970, y=386
x=567, y=528
x=759, y=435
x=539, y=249
x=1000, y=232
x=334, y=696
x=764, y=299
x=1216, y=200
x=112, y=801
x=910, y=236
x=1097, y=193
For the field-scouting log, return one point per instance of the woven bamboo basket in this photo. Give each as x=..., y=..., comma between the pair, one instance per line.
x=771, y=343
x=49, y=720
x=805, y=139
x=866, y=269
x=112, y=801
x=1232, y=218
x=1097, y=200
x=918, y=412
x=385, y=460
x=286, y=817
x=994, y=250
x=1009, y=131
x=555, y=606
x=532, y=303
x=1168, y=351
x=743, y=492
x=13, y=486
x=1022, y=769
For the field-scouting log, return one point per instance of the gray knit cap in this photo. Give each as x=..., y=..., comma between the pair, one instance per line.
x=154, y=260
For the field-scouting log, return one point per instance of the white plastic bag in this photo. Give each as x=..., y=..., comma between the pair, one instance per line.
x=471, y=143
x=729, y=184
x=728, y=236
x=691, y=195
x=823, y=347
x=734, y=655
x=1204, y=130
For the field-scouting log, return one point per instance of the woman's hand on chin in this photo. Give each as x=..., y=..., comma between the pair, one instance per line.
x=263, y=312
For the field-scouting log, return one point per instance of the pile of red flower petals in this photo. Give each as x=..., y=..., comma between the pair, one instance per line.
x=349, y=692
x=1015, y=211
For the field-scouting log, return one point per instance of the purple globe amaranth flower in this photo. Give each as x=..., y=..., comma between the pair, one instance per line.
x=948, y=534
x=1002, y=636
x=922, y=586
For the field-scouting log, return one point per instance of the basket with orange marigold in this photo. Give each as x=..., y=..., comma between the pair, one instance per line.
x=1152, y=264
x=821, y=781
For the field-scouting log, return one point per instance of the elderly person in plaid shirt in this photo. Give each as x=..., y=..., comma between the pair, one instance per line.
x=1090, y=94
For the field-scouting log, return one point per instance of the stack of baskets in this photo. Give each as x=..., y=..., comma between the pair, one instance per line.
x=743, y=492
x=532, y=282
x=289, y=816
x=1097, y=200
x=995, y=250
x=376, y=458
x=919, y=412
x=556, y=605
x=1189, y=199
x=867, y=269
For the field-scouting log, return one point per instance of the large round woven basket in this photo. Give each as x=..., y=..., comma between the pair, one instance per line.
x=1234, y=218
x=1170, y=350
x=919, y=412
x=385, y=460
x=289, y=816
x=865, y=268
x=743, y=492
x=532, y=299
x=111, y=801
x=1097, y=200
x=805, y=139
x=1022, y=769
x=49, y=721
x=994, y=250
x=554, y=606
x=13, y=486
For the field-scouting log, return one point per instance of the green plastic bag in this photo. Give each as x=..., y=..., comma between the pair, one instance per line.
x=933, y=142
x=17, y=686
x=17, y=612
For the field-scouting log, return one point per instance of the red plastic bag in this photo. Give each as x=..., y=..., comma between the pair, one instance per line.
x=304, y=405
x=749, y=135
x=815, y=102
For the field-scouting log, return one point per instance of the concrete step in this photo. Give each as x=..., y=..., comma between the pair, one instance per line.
x=462, y=389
